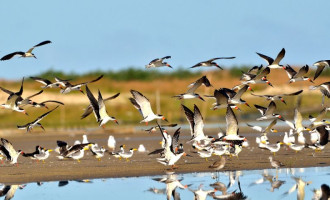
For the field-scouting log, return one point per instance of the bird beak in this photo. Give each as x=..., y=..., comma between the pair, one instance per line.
x=275, y=131
x=269, y=83
x=34, y=56
x=46, y=107
x=310, y=80
x=281, y=143
x=25, y=113
x=283, y=67
x=134, y=149
x=247, y=105
x=81, y=91
x=201, y=98
x=169, y=66
x=283, y=101
x=116, y=122
x=50, y=150
x=103, y=126
x=249, y=88
x=164, y=119
x=42, y=128
x=184, y=154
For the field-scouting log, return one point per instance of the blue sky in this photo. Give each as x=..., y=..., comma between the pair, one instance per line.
x=91, y=35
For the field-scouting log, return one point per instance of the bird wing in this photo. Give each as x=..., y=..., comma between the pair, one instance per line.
x=320, y=66
x=221, y=97
x=257, y=128
x=268, y=59
x=254, y=70
x=213, y=59
x=263, y=73
x=261, y=109
x=38, y=45
x=166, y=57
x=9, y=147
x=231, y=121
x=193, y=86
x=190, y=118
x=241, y=92
x=175, y=140
x=7, y=91
x=11, y=55
x=92, y=81
x=93, y=103
x=292, y=94
x=112, y=97
x=52, y=101
x=143, y=102
x=102, y=108
x=33, y=95
x=87, y=112
x=279, y=57
x=154, y=60
x=230, y=93
x=302, y=71
x=298, y=119
x=291, y=72
x=20, y=92
x=321, y=116
x=267, y=129
x=324, y=135
x=44, y=115
x=325, y=89
x=271, y=108
x=198, y=121
x=41, y=80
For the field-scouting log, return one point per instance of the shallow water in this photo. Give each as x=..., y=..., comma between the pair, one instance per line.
x=139, y=187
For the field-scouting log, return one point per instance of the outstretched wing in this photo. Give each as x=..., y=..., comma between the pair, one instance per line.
x=142, y=102
x=199, y=82
x=190, y=118
x=231, y=121
x=279, y=57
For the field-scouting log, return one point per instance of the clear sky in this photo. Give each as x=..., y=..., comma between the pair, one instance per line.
x=89, y=35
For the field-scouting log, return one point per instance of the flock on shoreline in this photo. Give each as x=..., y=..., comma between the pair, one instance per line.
x=227, y=143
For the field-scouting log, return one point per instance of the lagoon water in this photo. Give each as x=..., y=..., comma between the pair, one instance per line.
x=252, y=184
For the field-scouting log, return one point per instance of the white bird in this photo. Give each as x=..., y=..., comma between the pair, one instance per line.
x=85, y=139
x=128, y=154
x=190, y=94
x=97, y=151
x=296, y=147
x=24, y=54
x=266, y=130
x=99, y=108
x=201, y=194
x=42, y=155
x=289, y=138
x=300, y=185
x=274, y=64
x=142, y=103
x=111, y=142
x=141, y=148
x=158, y=62
x=274, y=148
x=9, y=152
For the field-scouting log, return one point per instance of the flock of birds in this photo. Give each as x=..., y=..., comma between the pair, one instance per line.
x=229, y=143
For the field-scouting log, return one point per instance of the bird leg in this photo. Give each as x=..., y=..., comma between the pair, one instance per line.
x=127, y=160
x=274, y=153
x=78, y=160
x=174, y=167
x=206, y=160
x=43, y=161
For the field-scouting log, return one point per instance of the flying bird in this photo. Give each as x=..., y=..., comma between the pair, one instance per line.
x=10, y=153
x=75, y=87
x=210, y=63
x=268, y=113
x=297, y=76
x=275, y=97
x=158, y=62
x=99, y=108
x=190, y=94
x=29, y=126
x=273, y=64
x=24, y=54
x=142, y=103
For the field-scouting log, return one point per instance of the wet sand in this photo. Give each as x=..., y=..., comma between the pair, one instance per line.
x=140, y=164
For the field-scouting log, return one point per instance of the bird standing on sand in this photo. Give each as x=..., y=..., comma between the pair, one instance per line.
x=158, y=62
x=142, y=103
x=275, y=163
x=274, y=64
x=111, y=143
x=128, y=154
x=24, y=54
x=217, y=165
x=274, y=148
x=42, y=155
x=210, y=63
x=190, y=94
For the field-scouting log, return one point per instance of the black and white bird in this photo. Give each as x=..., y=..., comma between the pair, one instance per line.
x=222, y=100
x=48, y=84
x=158, y=62
x=273, y=64
x=190, y=94
x=196, y=123
x=319, y=120
x=9, y=152
x=251, y=73
x=89, y=108
x=76, y=87
x=268, y=113
x=24, y=54
x=232, y=130
x=31, y=155
x=259, y=78
x=210, y=63
x=297, y=76
x=322, y=135
x=279, y=97
x=43, y=104
x=29, y=126
x=14, y=99
x=142, y=104
x=320, y=66
x=75, y=152
x=99, y=108
x=235, y=97
x=154, y=128
x=266, y=130
x=324, y=88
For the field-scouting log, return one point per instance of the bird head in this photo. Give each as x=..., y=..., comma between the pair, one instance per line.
x=283, y=100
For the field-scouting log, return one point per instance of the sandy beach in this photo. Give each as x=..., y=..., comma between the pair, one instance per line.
x=141, y=164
